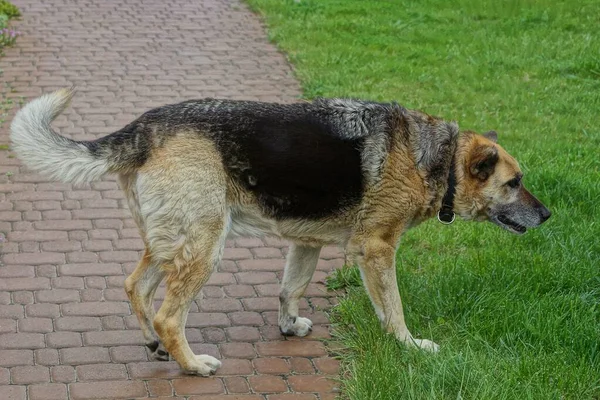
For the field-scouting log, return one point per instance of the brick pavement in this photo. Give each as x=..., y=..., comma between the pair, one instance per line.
x=66, y=329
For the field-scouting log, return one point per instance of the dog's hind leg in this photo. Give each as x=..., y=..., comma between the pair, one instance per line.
x=299, y=269
x=191, y=268
x=140, y=287
x=182, y=192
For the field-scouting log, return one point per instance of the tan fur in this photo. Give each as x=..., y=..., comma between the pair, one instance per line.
x=474, y=195
x=388, y=210
x=186, y=206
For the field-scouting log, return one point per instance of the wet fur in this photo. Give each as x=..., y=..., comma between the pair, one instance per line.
x=333, y=171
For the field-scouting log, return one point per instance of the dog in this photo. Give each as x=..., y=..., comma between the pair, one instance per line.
x=332, y=171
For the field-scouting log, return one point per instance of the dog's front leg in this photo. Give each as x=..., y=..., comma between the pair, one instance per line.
x=378, y=271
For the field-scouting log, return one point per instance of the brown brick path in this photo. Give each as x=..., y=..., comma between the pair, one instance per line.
x=66, y=329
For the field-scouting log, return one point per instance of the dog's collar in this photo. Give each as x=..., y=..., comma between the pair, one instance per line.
x=446, y=214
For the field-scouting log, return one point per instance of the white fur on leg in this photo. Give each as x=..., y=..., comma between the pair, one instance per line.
x=298, y=326
x=424, y=344
x=204, y=365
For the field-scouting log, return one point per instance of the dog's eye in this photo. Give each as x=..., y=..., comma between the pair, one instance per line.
x=514, y=183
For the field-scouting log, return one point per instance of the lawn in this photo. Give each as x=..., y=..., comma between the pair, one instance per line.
x=516, y=317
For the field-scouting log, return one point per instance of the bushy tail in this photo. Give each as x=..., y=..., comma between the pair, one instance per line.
x=44, y=150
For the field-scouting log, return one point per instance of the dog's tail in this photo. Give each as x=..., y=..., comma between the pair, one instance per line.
x=58, y=157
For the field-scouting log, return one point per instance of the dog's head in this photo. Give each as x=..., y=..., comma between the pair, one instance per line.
x=490, y=187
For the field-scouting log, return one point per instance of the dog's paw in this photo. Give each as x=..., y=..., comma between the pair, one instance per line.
x=298, y=326
x=203, y=365
x=158, y=351
x=424, y=344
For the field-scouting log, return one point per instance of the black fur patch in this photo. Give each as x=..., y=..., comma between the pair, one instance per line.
x=297, y=168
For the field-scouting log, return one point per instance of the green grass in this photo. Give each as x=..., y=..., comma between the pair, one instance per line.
x=9, y=9
x=517, y=317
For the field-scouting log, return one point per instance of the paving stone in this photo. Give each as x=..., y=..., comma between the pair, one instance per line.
x=232, y=366
x=301, y=365
x=236, y=384
x=159, y=388
x=62, y=373
x=311, y=383
x=101, y=372
x=267, y=384
x=13, y=392
x=275, y=366
x=291, y=348
x=292, y=396
x=188, y=386
x=84, y=355
x=30, y=374
x=127, y=354
x=22, y=341
x=48, y=391
x=107, y=390
x=46, y=357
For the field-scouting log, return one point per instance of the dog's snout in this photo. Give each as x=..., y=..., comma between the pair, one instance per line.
x=538, y=206
x=545, y=214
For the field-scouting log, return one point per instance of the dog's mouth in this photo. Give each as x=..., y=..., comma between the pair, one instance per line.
x=510, y=225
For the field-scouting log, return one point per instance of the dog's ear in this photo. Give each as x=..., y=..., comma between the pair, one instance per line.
x=492, y=135
x=483, y=162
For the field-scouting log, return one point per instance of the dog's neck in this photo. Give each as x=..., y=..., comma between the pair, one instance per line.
x=446, y=213
x=435, y=148
x=453, y=201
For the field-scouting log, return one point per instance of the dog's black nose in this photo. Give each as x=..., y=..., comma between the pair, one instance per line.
x=545, y=214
